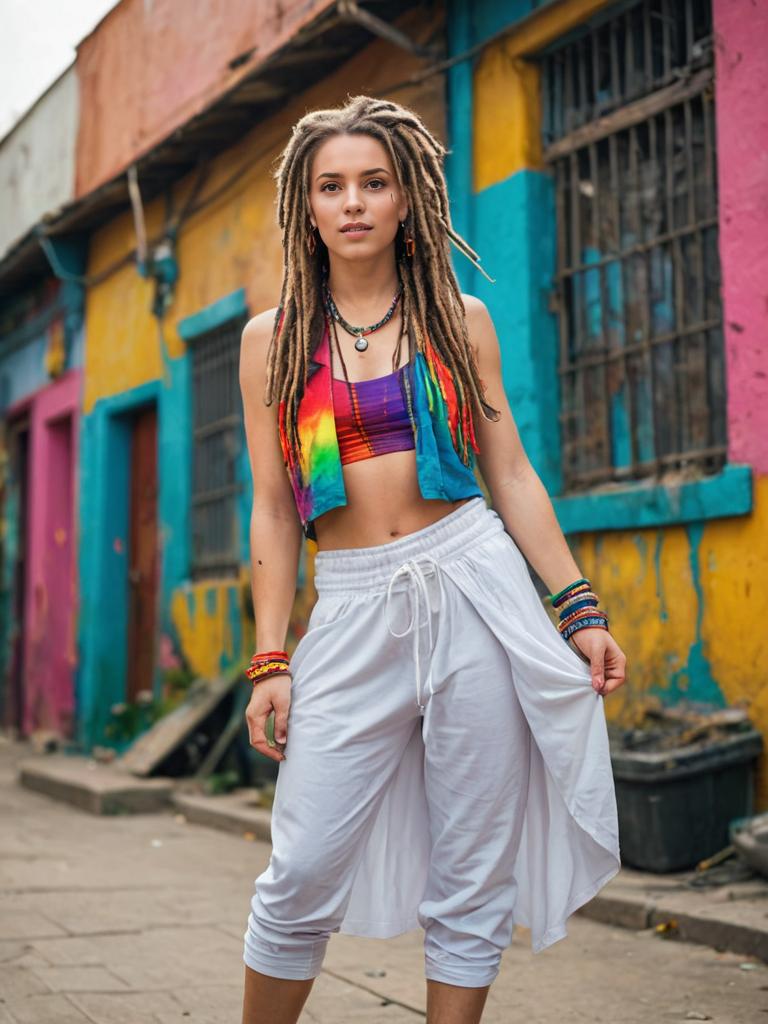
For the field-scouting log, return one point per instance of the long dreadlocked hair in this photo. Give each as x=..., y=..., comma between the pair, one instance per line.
x=432, y=309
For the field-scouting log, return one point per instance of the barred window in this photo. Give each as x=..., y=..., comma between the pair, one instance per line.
x=629, y=133
x=217, y=438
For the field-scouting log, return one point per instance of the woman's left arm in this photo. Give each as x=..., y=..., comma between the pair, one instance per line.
x=520, y=499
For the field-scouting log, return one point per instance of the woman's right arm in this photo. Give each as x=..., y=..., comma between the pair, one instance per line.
x=275, y=534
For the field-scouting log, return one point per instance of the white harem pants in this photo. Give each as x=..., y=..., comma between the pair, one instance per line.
x=447, y=761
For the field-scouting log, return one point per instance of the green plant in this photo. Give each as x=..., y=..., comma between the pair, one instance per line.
x=129, y=719
x=175, y=679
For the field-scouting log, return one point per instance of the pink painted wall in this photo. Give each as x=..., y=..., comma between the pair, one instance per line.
x=741, y=43
x=147, y=68
x=51, y=591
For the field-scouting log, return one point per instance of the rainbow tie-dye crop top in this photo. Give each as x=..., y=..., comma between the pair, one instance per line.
x=372, y=416
x=316, y=476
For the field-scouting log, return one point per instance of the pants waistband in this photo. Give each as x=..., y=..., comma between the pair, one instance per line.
x=372, y=567
x=401, y=566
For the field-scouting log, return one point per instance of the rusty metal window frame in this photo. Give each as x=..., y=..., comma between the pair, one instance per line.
x=628, y=126
x=217, y=444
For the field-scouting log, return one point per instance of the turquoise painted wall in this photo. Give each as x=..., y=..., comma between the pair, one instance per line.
x=103, y=548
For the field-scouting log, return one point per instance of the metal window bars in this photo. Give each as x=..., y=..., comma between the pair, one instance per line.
x=630, y=137
x=218, y=439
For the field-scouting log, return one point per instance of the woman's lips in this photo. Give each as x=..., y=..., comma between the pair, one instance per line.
x=354, y=231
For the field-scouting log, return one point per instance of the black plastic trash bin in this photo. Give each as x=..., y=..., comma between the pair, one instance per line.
x=675, y=805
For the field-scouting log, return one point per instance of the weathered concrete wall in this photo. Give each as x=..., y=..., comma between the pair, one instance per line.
x=148, y=68
x=37, y=160
x=741, y=40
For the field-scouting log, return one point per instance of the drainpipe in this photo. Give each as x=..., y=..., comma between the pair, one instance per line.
x=347, y=10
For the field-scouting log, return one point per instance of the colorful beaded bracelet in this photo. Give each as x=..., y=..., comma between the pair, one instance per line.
x=590, y=623
x=579, y=613
x=255, y=671
x=577, y=606
x=593, y=613
x=261, y=655
x=557, y=598
x=267, y=663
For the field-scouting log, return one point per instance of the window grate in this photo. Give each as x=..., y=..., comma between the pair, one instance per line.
x=217, y=445
x=638, y=278
x=627, y=55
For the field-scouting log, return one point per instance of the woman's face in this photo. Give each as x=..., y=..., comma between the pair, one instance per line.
x=353, y=182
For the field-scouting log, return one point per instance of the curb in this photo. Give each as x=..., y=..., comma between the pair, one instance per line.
x=93, y=787
x=228, y=813
x=235, y=813
x=723, y=936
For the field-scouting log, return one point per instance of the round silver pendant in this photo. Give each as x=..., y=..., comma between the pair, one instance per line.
x=361, y=344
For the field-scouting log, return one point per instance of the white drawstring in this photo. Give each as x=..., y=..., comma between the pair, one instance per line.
x=413, y=571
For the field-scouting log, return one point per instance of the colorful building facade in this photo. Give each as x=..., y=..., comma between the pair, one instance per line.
x=598, y=152
x=228, y=259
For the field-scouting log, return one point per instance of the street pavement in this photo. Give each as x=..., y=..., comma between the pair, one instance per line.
x=139, y=920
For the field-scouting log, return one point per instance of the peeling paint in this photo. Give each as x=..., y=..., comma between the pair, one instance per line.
x=663, y=616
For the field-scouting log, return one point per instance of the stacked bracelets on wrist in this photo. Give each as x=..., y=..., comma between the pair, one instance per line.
x=267, y=663
x=577, y=607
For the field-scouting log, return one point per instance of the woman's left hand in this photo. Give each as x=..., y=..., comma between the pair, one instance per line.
x=606, y=659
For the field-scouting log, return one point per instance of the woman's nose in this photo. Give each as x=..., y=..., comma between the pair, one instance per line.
x=353, y=200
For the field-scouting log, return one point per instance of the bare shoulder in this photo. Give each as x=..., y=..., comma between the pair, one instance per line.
x=254, y=343
x=482, y=333
x=473, y=305
x=260, y=418
x=258, y=330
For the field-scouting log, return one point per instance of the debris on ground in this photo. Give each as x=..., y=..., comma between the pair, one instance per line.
x=653, y=726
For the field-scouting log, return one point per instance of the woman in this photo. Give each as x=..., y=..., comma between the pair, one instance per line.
x=443, y=754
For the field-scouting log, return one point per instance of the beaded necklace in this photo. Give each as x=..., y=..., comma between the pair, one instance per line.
x=359, y=333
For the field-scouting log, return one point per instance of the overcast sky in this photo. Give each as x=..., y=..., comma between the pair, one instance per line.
x=37, y=42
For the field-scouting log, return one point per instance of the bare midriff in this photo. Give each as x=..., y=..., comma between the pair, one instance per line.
x=383, y=503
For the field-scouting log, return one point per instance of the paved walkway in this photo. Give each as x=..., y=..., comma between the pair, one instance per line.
x=139, y=920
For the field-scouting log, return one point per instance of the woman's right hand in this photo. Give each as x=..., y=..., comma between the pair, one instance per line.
x=271, y=693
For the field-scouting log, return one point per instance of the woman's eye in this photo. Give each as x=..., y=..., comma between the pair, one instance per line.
x=334, y=185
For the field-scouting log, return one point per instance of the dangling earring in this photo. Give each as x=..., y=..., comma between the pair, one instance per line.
x=311, y=243
x=410, y=243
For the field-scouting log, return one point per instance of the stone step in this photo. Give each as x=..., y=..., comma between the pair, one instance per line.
x=236, y=812
x=94, y=787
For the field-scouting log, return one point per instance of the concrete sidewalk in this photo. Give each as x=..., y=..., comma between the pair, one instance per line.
x=732, y=916
x=127, y=919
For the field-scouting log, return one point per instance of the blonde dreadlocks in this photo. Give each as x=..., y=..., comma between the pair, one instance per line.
x=431, y=299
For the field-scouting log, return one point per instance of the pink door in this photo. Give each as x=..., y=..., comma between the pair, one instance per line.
x=58, y=643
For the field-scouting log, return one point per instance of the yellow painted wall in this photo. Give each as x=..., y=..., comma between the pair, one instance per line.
x=506, y=108
x=199, y=611
x=655, y=585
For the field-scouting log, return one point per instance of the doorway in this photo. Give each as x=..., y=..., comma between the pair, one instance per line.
x=15, y=570
x=143, y=562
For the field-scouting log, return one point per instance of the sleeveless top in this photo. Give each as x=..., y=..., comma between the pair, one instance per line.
x=316, y=473
x=372, y=417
